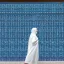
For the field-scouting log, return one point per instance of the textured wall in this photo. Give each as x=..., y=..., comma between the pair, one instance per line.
x=16, y=21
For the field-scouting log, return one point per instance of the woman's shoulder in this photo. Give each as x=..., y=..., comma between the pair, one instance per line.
x=33, y=35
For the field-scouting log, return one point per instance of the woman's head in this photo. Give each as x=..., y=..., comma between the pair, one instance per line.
x=34, y=30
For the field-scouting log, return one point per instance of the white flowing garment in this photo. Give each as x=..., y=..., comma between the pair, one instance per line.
x=32, y=56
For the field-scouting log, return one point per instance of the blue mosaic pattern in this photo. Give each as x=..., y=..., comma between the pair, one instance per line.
x=16, y=21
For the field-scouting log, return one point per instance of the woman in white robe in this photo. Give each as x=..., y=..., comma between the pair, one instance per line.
x=32, y=56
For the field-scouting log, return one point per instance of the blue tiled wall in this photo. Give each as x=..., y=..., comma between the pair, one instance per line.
x=16, y=21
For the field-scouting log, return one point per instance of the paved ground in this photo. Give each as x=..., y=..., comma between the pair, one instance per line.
x=40, y=62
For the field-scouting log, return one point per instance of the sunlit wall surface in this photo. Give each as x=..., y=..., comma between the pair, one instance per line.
x=16, y=21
